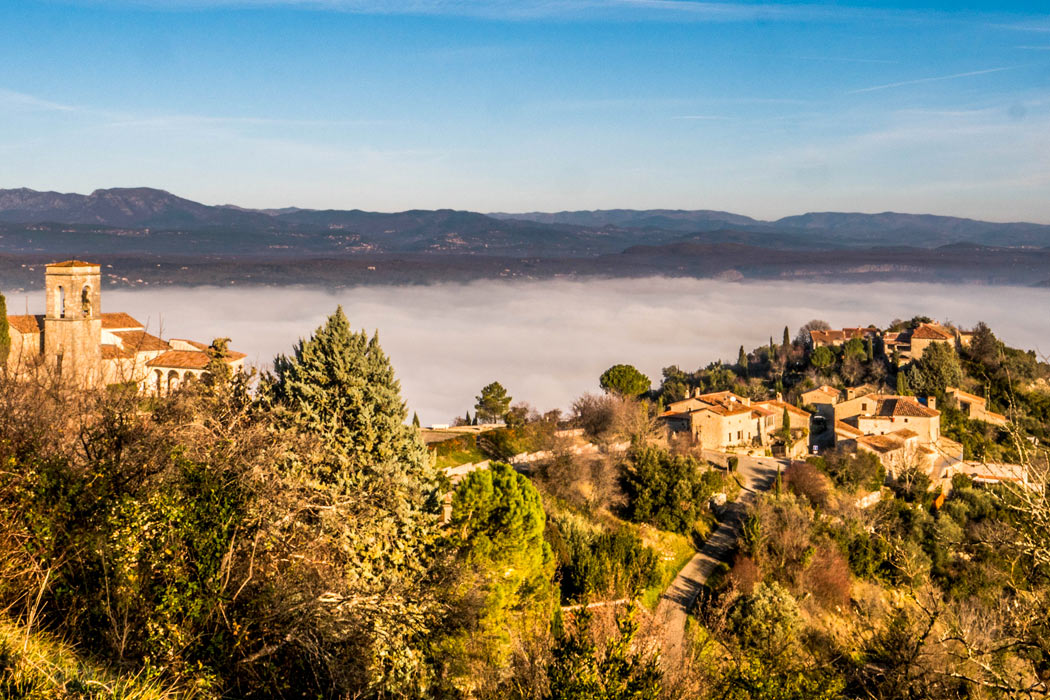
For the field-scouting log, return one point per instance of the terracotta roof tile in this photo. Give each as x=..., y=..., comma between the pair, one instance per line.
x=964, y=394
x=781, y=405
x=188, y=359
x=904, y=406
x=26, y=324
x=180, y=359
x=119, y=320
x=883, y=443
x=141, y=341
x=932, y=331
x=194, y=343
x=847, y=428
x=114, y=352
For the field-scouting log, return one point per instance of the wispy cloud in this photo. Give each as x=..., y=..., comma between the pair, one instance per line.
x=1040, y=24
x=174, y=121
x=920, y=81
x=1033, y=48
x=33, y=102
x=123, y=119
x=694, y=10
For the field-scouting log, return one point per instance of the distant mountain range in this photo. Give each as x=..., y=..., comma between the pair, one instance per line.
x=152, y=225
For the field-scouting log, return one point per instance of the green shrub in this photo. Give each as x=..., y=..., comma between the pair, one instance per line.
x=668, y=491
x=613, y=564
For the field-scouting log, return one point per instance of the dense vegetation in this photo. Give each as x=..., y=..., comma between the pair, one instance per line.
x=288, y=540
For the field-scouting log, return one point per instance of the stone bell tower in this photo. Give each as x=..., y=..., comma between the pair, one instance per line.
x=73, y=322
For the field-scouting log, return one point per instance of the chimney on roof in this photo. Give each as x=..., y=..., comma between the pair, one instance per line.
x=747, y=402
x=696, y=393
x=931, y=402
x=780, y=396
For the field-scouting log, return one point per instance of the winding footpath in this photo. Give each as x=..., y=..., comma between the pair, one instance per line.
x=757, y=474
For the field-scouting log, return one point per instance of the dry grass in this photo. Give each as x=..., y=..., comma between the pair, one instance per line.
x=33, y=666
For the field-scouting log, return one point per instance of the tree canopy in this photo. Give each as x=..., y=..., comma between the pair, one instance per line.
x=938, y=368
x=822, y=358
x=492, y=404
x=340, y=385
x=505, y=582
x=625, y=380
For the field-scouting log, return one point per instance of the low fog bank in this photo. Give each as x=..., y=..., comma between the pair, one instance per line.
x=548, y=341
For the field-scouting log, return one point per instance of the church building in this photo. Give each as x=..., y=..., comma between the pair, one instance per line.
x=78, y=342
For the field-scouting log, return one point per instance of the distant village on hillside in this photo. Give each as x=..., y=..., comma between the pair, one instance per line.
x=85, y=347
x=901, y=431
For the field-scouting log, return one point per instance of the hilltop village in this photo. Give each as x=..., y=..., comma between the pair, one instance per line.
x=902, y=431
x=86, y=347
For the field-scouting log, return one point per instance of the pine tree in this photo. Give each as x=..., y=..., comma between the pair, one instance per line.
x=415, y=420
x=493, y=403
x=5, y=333
x=340, y=385
x=374, y=489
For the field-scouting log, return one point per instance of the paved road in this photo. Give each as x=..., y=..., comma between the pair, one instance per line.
x=757, y=474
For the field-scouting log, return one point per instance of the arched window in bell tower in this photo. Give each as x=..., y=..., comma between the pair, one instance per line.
x=85, y=301
x=61, y=302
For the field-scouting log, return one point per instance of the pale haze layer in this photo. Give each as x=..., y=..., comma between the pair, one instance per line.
x=548, y=342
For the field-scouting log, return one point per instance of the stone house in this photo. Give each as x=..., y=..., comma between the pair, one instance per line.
x=975, y=407
x=901, y=430
x=881, y=414
x=911, y=344
x=899, y=450
x=86, y=347
x=838, y=338
x=823, y=400
x=723, y=420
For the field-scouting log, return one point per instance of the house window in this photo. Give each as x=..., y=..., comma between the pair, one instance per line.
x=740, y=435
x=864, y=407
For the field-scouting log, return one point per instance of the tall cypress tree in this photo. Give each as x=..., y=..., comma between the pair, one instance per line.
x=5, y=333
x=902, y=384
x=787, y=337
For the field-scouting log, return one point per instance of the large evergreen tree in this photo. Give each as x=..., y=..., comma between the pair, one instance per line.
x=340, y=386
x=624, y=380
x=493, y=403
x=373, y=492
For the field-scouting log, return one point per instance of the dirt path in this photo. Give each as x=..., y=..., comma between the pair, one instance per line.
x=758, y=474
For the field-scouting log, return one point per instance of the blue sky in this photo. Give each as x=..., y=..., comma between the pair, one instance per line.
x=766, y=109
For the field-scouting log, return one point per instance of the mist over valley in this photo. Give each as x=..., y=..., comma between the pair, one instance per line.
x=548, y=341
